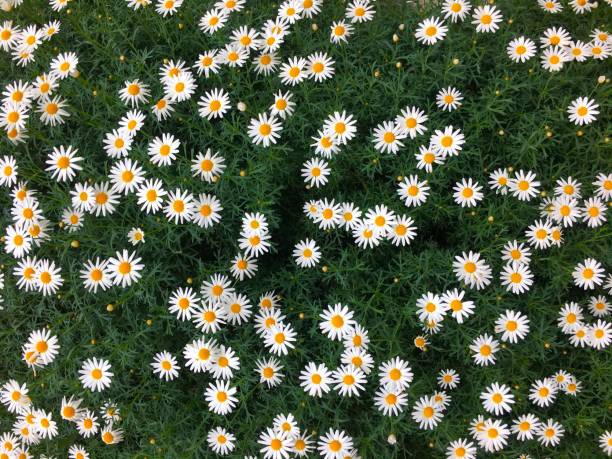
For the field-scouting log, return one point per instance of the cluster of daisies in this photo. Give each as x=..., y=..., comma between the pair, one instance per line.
x=497, y=399
x=22, y=43
x=218, y=304
x=33, y=425
x=285, y=439
x=558, y=46
x=20, y=98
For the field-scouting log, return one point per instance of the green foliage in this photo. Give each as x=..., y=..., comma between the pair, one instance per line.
x=522, y=101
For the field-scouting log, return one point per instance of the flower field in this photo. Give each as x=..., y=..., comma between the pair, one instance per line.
x=337, y=229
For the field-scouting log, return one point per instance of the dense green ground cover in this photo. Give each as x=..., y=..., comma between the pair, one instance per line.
x=513, y=115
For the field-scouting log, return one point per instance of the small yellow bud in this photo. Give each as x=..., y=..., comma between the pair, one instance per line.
x=149, y=322
x=324, y=269
x=314, y=27
x=490, y=218
x=242, y=173
x=92, y=341
x=456, y=61
x=190, y=280
x=75, y=244
x=110, y=307
x=395, y=38
x=398, y=65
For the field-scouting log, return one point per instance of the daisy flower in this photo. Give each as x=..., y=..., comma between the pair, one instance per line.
x=448, y=379
x=214, y=104
x=388, y=137
x=52, y=111
x=126, y=175
x=582, y=111
x=359, y=11
x=517, y=277
x=497, y=399
x=264, y=130
x=180, y=206
x=467, y=193
x=117, y=143
x=124, y=269
x=243, y=266
x=588, y=274
x=207, y=210
x=64, y=65
x=599, y=306
x=315, y=172
x=336, y=321
x=134, y=93
x=208, y=63
x=449, y=99
x=556, y=36
x=448, y=142
x=426, y=413
x=200, y=354
x=395, y=373
x=95, y=374
x=340, y=32
x=413, y=191
x=306, y=253
x=276, y=444
x=550, y=433
x=341, y=127
x=521, y=49
x=431, y=30
x=494, y=435
x=348, y=380
x=182, y=303
x=525, y=426
x=320, y=67
x=162, y=150
x=391, y=402
x=225, y=363
x=233, y=55
x=412, y=121
x=551, y=6
x=402, y=231
x=269, y=371
x=459, y=308
x=578, y=51
x=266, y=63
x=213, y=20
x=472, y=270
x=221, y=441
x=513, y=325
x=279, y=339
x=294, y=71
x=283, y=106
x=539, y=234
x=486, y=19
x=209, y=316
x=150, y=195
x=543, y=392
x=515, y=252
x=167, y=7
x=524, y=186
x=602, y=184
x=136, y=236
x=165, y=365
x=220, y=397
x=315, y=379
x=484, y=348
x=600, y=334
x=553, y=58
x=456, y=10
x=208, y=166
x=48, y=278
